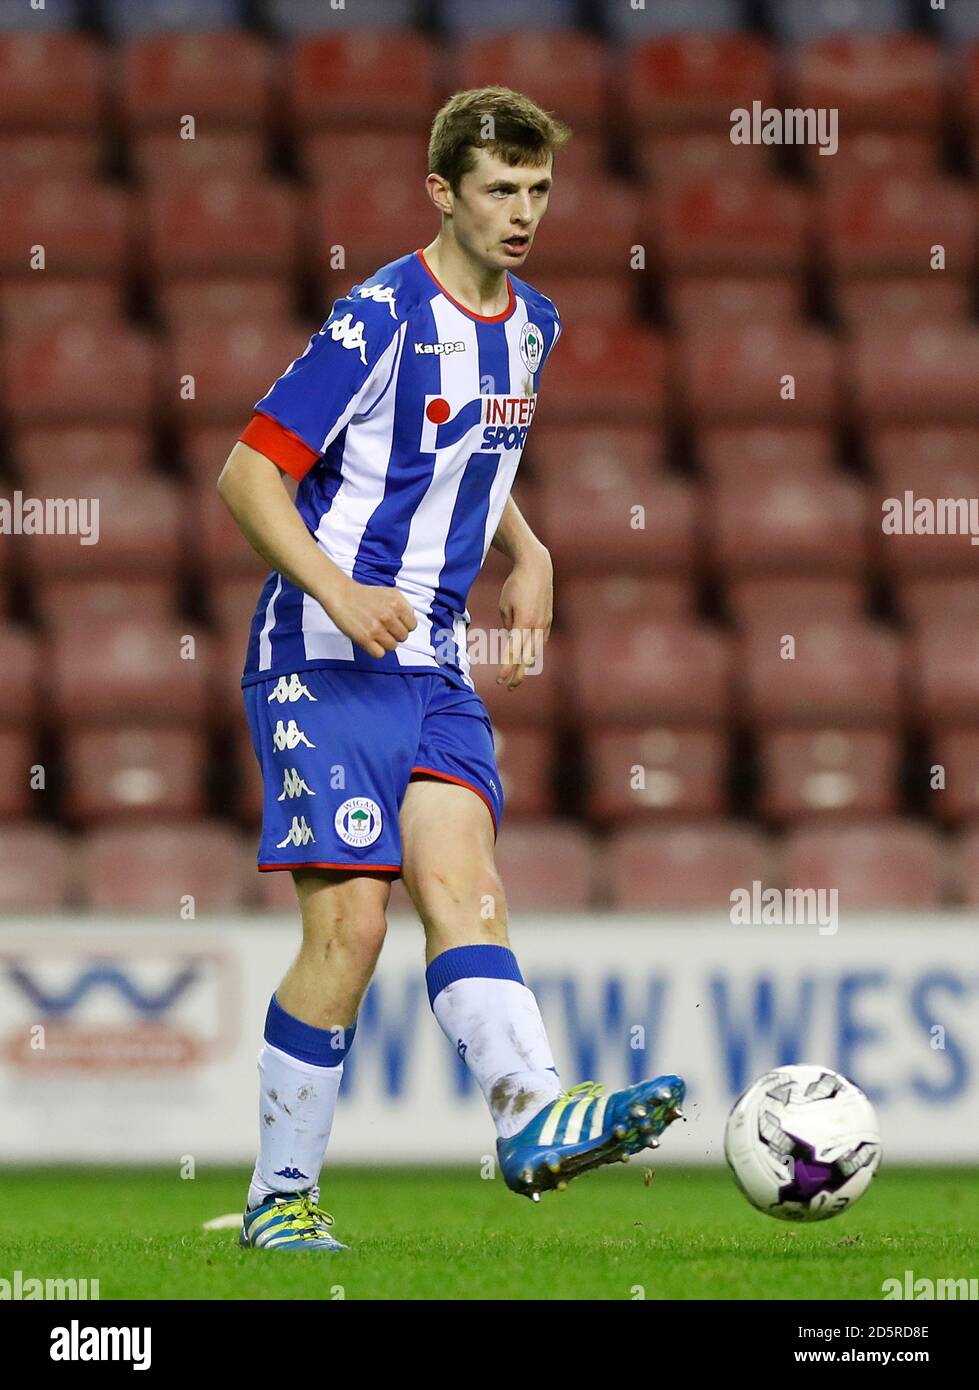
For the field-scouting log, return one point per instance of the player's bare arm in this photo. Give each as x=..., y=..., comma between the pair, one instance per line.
x=375, y=617
x=527, y=596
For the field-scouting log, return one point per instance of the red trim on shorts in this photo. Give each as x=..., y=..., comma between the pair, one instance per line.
x=460, y=782
x=281, y=446
x=311, y=864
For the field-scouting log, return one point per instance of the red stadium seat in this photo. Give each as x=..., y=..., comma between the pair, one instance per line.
x=276, y=892
x=968, y=71
x=546, y=866
x=947, y=547
x=699, y=301
x=621, y=598
x=728, y=225
x=900, y=454
x=565, y=70
x=226, y=704
x=737, y=376
x=21, y=659
x=36, y=868
x=584, y=300
x=888, y=226
x=214, y=541
x=29, y=156
x=26, y=306
x=331, y=154
x=670, y=673
x=929, y=601
x=66, y=603
x=894, y=863
x=904, y=302
x=921, y=375
x=87, y=449
x=17, y=756
x=206, y=449
x=537, y=701
x=52, y=81
x=234, y=599
x=662, y=536
x=794, y=525
x=136, y=529
x=867, y=154
x=79, y=374
x=159, y=867
x=232, y=366
x=695, y=80
x=227, y=225
x=141, y=666
x=846, y=675
x=218, y=300
x=551, y=449
x=646, y=772
x=250, y=800
x=372, y=221
x=139, y=774
x=83, y=226
x=525, y=758
x=757, y=451
x=618, y=375
x=693, y=156
x=159, y=158
x=685, y=866
x=787, y=604
x=956, y=751
x=223, y=78
x=828, y=773
x=345, y=80
x=587, y=216
x=877, y=81
x=965, y=867
x=945, y=675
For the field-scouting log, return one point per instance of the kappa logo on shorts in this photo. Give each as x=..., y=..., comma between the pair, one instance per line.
x=299, y=834
x=294, y=785
x=358, y=821
x=289, y=736
x=291, y=690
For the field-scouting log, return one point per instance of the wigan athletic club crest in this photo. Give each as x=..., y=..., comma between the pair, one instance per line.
x=531, y=346
x=358, y=821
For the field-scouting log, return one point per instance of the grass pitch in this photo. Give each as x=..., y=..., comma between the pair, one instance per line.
x=448, y=1234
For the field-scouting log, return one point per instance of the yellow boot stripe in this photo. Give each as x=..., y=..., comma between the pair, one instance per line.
x=550, y=1124
x=576, y=1119
x=598, y=1118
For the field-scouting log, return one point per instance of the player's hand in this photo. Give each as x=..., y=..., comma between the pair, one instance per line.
x=376, y=617
x=527, y=610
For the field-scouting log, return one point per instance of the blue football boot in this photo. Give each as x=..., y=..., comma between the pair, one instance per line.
x=584, y=1128
x=288, y=1221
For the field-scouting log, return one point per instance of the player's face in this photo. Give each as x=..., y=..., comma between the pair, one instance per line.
x=498, y=208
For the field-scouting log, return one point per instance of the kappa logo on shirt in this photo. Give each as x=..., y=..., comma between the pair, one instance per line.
x=438, y=349
x=348, y=334
x=381, y=294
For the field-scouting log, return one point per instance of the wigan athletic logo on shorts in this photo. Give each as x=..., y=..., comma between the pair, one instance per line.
x=531, y=346
x=358, y=821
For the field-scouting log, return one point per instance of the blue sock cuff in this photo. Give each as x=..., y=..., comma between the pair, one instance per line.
x=321, y=1047
x=468, y=962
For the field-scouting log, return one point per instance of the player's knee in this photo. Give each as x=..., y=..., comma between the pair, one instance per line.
x=461, y=894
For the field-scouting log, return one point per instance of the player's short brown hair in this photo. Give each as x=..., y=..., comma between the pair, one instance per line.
x=507, y=124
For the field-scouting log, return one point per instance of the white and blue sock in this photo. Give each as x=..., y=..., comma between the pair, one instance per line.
x=299, y=1069
x=492, y=1020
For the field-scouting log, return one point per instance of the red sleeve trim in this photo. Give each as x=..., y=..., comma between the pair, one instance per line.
x=285, y=449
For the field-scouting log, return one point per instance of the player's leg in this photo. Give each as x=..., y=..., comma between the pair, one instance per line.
x=475, y=987
x=310, y=1026
x=335, y=750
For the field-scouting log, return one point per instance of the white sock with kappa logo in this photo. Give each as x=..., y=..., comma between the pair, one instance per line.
x=297, y=1101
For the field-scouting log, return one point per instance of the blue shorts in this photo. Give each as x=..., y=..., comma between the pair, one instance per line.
x=337, y=750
